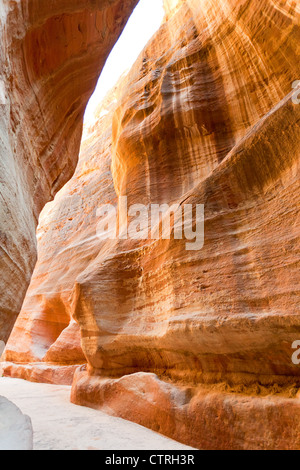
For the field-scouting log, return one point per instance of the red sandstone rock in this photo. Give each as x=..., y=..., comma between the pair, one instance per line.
x=208, y=418
x=51, y=56
x=205, y=116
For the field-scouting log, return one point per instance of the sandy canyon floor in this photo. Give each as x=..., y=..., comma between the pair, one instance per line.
x=60, y=425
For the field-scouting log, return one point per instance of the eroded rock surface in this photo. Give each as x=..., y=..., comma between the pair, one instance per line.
x=194, y=344
x=16, y=431
x=51, y=56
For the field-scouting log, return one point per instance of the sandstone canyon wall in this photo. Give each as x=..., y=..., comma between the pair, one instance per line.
x=194, y=344
x=51, y=56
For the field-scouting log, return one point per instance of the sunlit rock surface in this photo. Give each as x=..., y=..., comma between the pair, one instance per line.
x=194, y=344
x=60, y=425
x=45, y=331
x=51, y=56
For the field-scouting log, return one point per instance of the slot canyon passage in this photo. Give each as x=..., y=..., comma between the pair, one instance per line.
x=196, y=345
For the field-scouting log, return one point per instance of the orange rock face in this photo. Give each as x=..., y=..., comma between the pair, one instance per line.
x=45, y=331
x=194, y=344
x=51, y=57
